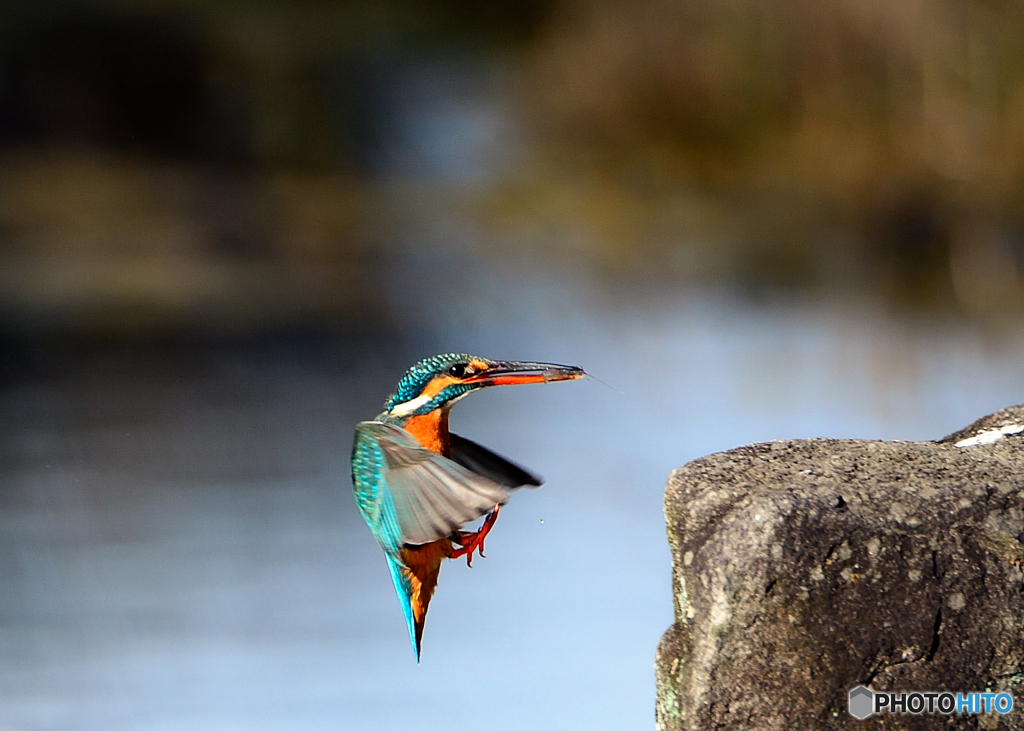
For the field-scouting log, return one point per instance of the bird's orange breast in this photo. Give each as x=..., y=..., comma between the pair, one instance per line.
x=431, y=430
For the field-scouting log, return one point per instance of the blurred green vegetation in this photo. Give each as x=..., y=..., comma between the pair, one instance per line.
x=173, y=162
x=882, y=141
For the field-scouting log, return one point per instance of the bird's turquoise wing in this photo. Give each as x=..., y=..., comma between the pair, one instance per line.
x=410, y=495
x=429, y=496
x=374, y=500
x=369, y=485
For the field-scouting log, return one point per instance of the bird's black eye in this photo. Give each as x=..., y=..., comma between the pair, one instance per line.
x=460, y=370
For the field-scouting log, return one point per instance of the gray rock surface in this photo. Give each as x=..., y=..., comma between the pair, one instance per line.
x=804, y=568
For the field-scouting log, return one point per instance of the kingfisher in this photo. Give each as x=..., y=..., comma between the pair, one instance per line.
x=418, y=485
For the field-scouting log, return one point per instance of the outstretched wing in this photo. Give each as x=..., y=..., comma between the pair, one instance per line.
x=410, y=495
x=369, y=486
x=486, y=463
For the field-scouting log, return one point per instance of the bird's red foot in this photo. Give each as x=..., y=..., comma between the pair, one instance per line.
x=470, y=542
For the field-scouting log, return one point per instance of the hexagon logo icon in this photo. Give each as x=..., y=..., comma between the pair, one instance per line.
x=862, y=701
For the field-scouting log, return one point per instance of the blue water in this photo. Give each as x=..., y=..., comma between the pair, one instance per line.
x=179, y=548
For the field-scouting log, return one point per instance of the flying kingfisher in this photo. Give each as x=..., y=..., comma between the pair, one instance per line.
x=417, y=484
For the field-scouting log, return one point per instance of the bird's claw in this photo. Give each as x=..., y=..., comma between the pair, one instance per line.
x=474, y=541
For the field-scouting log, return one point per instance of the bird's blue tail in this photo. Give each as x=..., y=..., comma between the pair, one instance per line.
x=403, y=587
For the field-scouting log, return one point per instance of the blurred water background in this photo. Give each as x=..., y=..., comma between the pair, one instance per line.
x=227, y=228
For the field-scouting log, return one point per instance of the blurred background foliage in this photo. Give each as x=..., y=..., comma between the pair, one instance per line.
x=182, y=164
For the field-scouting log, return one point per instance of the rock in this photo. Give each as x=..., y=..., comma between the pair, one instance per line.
x=802, y=569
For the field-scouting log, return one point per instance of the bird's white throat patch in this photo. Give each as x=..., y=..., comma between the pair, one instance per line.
x=407, y=407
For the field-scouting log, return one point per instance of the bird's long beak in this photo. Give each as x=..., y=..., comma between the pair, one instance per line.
x=513, y=373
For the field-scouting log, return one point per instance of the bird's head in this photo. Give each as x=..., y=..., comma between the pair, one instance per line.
x=440, y=381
